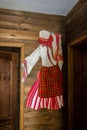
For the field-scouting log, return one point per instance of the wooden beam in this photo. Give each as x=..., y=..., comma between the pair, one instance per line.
x=27, y=27
x=78, y=32
x=30, y=14
x=70, y=88
x=17, y=34
x=30, y=19
x=75, y=9
x=79, y=40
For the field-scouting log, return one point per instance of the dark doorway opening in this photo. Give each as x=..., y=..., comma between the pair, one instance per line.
x=80, y=86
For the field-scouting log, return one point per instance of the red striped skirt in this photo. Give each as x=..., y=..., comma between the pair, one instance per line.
x=33, y=101
x=50, y=82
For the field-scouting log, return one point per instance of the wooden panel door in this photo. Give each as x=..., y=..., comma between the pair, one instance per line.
x=8, y=90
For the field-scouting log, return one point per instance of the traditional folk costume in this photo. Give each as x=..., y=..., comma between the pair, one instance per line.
x=47, y=90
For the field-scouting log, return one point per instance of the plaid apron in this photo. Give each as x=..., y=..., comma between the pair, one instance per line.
x=50, y=82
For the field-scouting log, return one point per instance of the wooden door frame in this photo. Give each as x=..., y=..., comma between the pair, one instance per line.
x=21, y=46
x=71, y=46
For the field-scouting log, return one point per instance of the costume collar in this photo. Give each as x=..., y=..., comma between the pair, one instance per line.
x=46, y=42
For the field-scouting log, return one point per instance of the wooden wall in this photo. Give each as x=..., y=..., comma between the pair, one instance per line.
x=76, y=21
x=23, y=27
x=76, y=33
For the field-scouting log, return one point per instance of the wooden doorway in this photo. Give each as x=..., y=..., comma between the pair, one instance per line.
x=77, y=84
x=10, y=59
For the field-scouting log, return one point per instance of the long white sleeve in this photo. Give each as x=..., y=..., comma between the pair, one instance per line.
x=29, y=62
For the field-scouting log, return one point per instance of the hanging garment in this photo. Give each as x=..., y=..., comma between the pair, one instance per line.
x=47, y=90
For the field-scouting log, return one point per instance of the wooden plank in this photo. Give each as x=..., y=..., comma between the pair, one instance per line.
x=9, y=25
x=21, y=90
x=11, y=18
x=12, y=12
x=43, y=112
x=12, y=44
x=16, y=34
x=27, y=26
x=79, y=40
x=43, y=127
x=44, y=119
x=75, y=9
x=29, y=19
x=29, y=48
x=6, y=40
x=76, y=23
x=79, y=18
x=30, y=14
x=78, y=32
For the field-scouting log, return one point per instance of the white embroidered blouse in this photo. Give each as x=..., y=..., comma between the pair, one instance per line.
x=41, y=51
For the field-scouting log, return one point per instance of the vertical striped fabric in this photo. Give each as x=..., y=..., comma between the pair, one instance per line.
x=33, y=101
